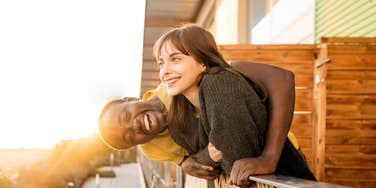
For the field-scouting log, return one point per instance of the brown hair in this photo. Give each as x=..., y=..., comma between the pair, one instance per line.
x=193, y=41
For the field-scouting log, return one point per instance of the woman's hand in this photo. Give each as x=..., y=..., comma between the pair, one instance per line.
x=243, y=168
x=194, y=168
x=214, y=154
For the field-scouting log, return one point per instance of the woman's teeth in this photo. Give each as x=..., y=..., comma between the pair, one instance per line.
x=171, y=80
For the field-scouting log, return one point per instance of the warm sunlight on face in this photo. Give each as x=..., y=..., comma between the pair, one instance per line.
x=60, y=62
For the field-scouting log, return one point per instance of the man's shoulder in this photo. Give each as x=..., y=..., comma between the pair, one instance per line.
x=160, y=92
x=224, y=83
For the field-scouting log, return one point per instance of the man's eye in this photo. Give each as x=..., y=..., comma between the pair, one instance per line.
x=126, y=115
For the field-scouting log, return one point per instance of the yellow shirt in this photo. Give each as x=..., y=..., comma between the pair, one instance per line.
x=163, y=147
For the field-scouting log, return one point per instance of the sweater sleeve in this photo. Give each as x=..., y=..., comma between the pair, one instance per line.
x=204, y=158
x=235, y=115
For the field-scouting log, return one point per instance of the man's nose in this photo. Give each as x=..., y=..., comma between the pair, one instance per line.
x=135, y=123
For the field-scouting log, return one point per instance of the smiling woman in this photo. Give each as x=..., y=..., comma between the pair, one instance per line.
x=52, y=53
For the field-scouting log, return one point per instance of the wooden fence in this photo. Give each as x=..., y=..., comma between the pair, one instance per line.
x=335, y=110
x=349, y=115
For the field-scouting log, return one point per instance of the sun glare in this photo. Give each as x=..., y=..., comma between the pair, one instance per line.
x=59, y=63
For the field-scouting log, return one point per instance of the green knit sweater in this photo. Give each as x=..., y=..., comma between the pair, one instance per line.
x=233, y=119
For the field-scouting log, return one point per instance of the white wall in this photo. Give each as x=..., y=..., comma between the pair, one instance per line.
x=289, y=22
x=227, y=22
x=256, y=10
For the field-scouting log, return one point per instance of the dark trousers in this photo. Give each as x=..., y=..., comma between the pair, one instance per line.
x=292, y=163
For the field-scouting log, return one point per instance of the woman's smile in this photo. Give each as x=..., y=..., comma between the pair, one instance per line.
x=171, y=81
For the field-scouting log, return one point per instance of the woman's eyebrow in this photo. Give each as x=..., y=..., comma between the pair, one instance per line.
x=175, y=53
x=170, y=55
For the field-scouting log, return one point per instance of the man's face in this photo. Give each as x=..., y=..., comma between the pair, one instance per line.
x=130, y=123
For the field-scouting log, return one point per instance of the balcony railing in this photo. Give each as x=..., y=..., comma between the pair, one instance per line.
x=167, y=175
x=160, y=174
x=275, y=180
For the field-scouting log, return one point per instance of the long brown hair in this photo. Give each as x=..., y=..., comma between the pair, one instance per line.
x=193, y=41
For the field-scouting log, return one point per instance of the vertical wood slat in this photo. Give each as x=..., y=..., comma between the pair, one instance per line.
x=319, y=112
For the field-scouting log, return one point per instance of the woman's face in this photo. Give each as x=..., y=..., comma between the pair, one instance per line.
x=179, y=72
x=131, y=123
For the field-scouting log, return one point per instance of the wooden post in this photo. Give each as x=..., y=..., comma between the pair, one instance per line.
x=319, y=113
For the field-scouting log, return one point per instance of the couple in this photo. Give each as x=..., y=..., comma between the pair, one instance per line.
x=218, y=116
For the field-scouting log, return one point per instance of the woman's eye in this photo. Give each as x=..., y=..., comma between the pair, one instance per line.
x=160, y=64
x=175, y=59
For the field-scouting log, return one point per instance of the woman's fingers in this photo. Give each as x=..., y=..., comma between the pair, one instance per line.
x=214, y=153
x=195, y=168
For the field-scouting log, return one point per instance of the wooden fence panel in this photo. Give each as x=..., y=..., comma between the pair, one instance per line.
x=350, y=147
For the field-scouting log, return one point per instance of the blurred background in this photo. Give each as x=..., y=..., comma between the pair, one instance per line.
x=61, y=61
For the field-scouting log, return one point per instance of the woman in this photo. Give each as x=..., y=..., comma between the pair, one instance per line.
x=215, y=111
x=117, y=125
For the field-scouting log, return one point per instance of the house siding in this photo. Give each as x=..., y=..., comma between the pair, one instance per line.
x=345, y=18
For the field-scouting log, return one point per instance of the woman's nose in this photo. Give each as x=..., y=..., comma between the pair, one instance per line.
x=165, y=70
